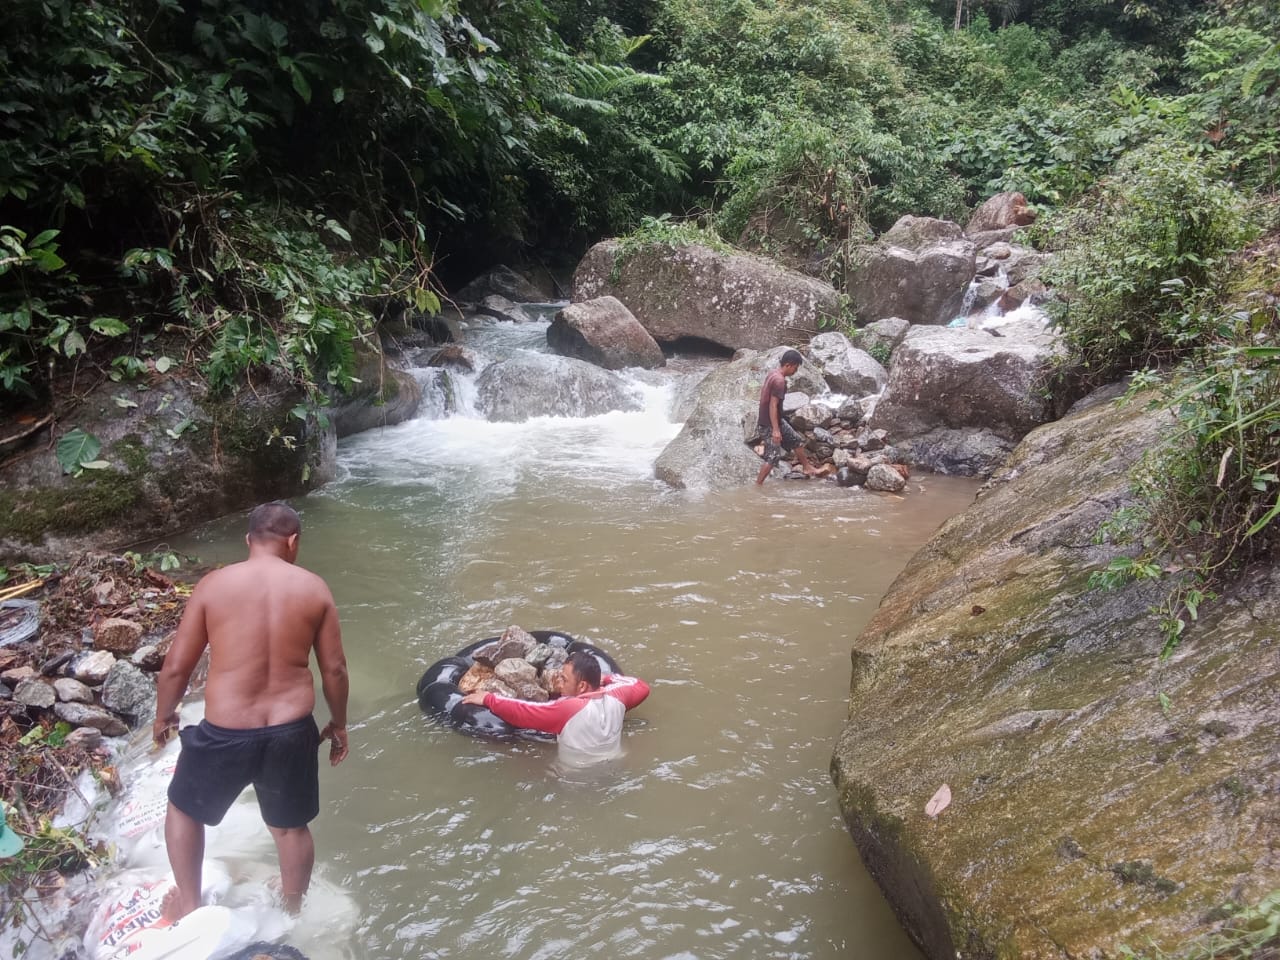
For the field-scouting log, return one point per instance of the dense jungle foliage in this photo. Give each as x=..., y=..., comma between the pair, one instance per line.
x=226, y=186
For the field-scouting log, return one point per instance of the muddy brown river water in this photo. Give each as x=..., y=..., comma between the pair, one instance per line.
x=717, y=835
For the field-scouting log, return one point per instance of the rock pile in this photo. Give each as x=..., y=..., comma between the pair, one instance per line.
x=840, y=446
x=516, y=665
x=105, y=630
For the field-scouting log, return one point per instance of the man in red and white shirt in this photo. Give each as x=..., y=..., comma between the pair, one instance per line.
x=586, y=718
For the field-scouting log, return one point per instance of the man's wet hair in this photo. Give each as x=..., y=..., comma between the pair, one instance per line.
x=585, y=667
x=791, y=356
x=274, y=520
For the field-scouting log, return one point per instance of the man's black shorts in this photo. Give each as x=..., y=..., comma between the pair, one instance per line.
x=790, y=440
x=216, y=763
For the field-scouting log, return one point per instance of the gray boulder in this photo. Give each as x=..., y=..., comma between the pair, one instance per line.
x=385, y=395
x=91, y=666
x=972, y=452
x=922, y=283
x=34, y=692
x=1000, y=212
x=846, y=369
x=958, y=378
x=504, y=282
x=533, y=385
x=1084, y=816
x=733, y=300
x=883, y=477
x=500, y=308
x=711, y=451
x=604, y=332
x=70, y=690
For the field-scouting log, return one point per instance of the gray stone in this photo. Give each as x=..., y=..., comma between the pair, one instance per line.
x=515, y=643
x=33, y=692
x=86, y=738
x=850, y=411
x=130, y=692
x=515, y=670
x=811, y=415
x=118, y=635
x=883, y=477
x=534, y=385
x=70, y=690
x=385, y=395
x=504, y=282
x=91, y=666
x=846, y=368
x=500, y=308
x=922, y=287
x=968, y=379
x=920, y=233
x=15, y=675
x=86, y=715
x=604, y=332
x=882, y=336
x=148, y=658
x=959, y=453
x=734, y=300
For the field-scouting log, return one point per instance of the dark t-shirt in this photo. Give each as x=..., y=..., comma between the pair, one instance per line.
x=775, y=385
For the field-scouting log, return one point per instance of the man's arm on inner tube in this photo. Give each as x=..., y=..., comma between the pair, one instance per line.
x=548, y=717
x=630, y=690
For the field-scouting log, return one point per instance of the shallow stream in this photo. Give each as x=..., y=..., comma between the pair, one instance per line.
x=718, y=833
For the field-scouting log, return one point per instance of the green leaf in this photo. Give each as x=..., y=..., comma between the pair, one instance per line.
x=1165, y=702
x=339, y=94
x=163, y=364
x=124, y=402
x=108, y=326
x=426, y=301
x=337, y=230
x=43, y=237
x=95, y=465
x=73, y=343
x=75, y=447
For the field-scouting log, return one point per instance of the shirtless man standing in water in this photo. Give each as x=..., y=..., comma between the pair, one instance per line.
x=260, y=619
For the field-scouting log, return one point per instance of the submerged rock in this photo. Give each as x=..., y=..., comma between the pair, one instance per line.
x=538, y=385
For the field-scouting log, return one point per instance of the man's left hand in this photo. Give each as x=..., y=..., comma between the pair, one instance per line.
x=163, y=729
x=338, y=748
x=476, y=698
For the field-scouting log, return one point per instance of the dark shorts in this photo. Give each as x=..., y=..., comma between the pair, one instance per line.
x=790, y=440
x=280, y=761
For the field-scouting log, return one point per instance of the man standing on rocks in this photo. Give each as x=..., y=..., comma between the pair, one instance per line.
x=261, y=619
x=778, y=435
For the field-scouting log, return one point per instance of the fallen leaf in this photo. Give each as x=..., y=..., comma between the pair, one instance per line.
x=939, y=802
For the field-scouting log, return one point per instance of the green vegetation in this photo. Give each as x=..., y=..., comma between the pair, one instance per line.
x=1249, y=932
x=220, y=186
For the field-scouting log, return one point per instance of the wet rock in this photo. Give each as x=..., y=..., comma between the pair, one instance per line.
x=603, y=332
x=70, y=690
x=534, y=385
x=470, y=681
x=858, y=467
x=494, y=685
x=998, y=212
x=957, y=453
x=840, y=457
x=504, y=282
x=91, y=666
x=870, y=440
x=515, y=670
x=824, y=436
x=34, y=692
x=383, y=395
x=500, y=308
x=809, y=416
x=117, y=635
x=883, y=477
x=129, y=692
x=454, y=355
x=515, y=642
x=850, y=412
x=918, y=271
x=86, y=715
x=539, y=654
x=846, y=368
x=86, y=738
x=846, y=477
x=530, y=690
x=734, y=300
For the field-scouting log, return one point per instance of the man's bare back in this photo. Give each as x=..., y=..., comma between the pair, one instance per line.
x=262, y=617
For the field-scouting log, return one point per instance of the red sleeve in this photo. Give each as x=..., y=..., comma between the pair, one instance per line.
x=629, y=690
x=549, y=717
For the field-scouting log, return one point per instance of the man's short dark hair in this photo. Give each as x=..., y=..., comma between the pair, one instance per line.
x=274, y=520
x=791, y=357
x=585, y=667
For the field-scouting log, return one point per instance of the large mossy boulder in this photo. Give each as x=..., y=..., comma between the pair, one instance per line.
x=382, y=396
x=711, y=450
x=174, y=455
x=1101, y=796
x=732, y=300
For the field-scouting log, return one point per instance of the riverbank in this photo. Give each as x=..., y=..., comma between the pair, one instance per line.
x=70, y=694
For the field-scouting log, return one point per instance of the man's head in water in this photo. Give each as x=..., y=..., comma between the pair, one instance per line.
x=276, y=527
x=580, y=674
